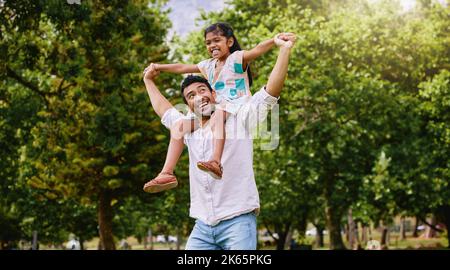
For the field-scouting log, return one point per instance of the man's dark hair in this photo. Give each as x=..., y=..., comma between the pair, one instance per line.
x=190, y=79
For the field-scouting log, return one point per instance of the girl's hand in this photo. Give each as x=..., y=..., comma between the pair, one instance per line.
x=285, y=40
x=150, y=72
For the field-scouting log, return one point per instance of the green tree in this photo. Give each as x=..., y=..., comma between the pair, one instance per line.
x=353, y=77
x=96, y=139
x=435, y=107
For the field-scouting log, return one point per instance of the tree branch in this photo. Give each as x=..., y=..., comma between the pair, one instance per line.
x=61, y=88
x=12, y=74
x=430, y=225
x=270, y=232
x=61, y=84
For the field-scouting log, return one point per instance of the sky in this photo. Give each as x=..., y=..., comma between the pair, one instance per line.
x=184, y=12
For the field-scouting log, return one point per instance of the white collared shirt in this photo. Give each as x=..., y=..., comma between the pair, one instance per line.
x=214, y=200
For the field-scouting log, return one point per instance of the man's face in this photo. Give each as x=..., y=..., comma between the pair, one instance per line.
x=199, y=98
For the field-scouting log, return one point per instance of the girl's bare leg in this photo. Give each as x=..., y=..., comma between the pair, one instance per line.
x=166, y=179
x=176, y=144
x=214, y=166
x=219, y=134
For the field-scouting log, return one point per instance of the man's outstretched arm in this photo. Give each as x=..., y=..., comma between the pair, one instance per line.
x=278, y=75
x=159, y=103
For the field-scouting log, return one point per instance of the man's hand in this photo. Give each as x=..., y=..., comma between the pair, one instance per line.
x=286, y=40
x=159, y=103
x=276, y=79
x=150, y=72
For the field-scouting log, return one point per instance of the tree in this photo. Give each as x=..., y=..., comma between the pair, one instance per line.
x=435, y=107
x=96, y=139
x=359, y=68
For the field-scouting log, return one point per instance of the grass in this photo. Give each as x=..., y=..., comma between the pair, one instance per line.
x=394, y=244
x=135, y=245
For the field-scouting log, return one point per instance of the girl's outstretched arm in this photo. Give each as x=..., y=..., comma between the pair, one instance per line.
x=257, y=51
x=263, y=47
x=177, y=68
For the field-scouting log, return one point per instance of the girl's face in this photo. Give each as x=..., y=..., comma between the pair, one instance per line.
x=218, y=46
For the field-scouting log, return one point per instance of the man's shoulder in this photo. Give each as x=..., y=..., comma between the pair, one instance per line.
x=170, y=117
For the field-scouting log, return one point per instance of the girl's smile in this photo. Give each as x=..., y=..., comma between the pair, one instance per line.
x=217, y=45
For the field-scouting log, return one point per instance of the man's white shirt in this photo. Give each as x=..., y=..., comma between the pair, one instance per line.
x=214, y=200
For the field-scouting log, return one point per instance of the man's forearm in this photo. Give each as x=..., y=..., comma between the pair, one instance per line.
x=159, y=103
x=278, y=75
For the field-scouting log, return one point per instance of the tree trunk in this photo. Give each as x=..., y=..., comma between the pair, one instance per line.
x=333, y=220
x=150, y=237
x=282, y=233
x=445, y=216
x=430, y=232
x=402, y=228
x=35, y=246
x=384, y=236
x=364, y=238
x=348, y=238
x=301, y=227
x=319, y=236
x=145, y=240
x=287, y=243
x=178, y=239
x=416, y=230
x=333, y=214
x=81, y=243
x=351, y=230
x=105, y=217
x=357, y=239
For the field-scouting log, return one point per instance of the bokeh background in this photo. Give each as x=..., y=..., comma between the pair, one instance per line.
x=364, y=150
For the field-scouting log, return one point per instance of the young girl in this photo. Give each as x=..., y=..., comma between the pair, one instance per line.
x=229, y=75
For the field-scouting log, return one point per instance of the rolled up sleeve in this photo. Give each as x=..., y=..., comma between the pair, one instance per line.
x=257, y=108
x=262, y=97
x=170, y=117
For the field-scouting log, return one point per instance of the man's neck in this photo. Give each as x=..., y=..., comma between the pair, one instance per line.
x=205, y=119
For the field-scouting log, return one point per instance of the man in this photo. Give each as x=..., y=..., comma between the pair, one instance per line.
x=225, y=210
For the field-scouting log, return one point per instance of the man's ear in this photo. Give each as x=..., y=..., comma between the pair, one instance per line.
x=214, y=95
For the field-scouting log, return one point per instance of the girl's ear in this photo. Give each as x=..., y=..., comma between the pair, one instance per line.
x=230, y=42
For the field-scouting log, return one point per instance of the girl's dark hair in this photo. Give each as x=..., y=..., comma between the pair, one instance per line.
x=225, y=30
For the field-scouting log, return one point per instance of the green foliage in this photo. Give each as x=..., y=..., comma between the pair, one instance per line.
x=80, y=67
x=364, y=120
x=351, y=94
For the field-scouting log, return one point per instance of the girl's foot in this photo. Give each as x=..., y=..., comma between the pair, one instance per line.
x=214, y=168
x=163, y=181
